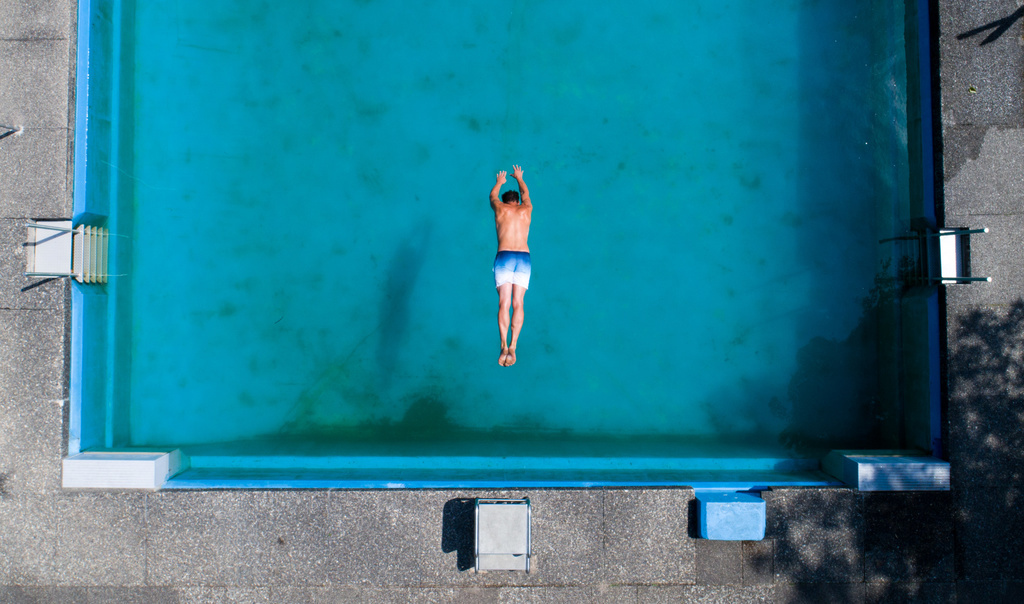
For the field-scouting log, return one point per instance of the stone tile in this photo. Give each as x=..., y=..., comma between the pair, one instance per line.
x=25, y=293
x=223, y=595
x=908, y=537
x=568, y=542
x=454, y=595
x=1014, y=589
x=239, y=538
x=986, y=440
x=989, y=591
x=101, y=539
x=961, y=147
x=28, y=541
x=994, y=70
x=198, y=538
x=133, y=595
x=31, y=442
x=989, y=252
x=42, y=595
x=34, y=174
x=389, y=538
x=34, y=91
x=293, y=546
x=36, y=19
x=719, y=562
x=396, y=595
x=291, y=595
x=818, y=533
x=646, y=539
x=820, y=592
x=984, y=355
x=989, y=178
x=568, y=595
x=707, y=594
x=986, y=388
x=899, y=593
x=758, y=562
x=32, y=355
x=987, y=521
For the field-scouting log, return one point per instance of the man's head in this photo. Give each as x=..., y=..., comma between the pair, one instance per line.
x=510, y=197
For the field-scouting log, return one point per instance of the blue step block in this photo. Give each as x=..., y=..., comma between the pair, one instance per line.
x=731, y=516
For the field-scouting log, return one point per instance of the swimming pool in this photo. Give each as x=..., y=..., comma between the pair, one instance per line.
x=304, y=240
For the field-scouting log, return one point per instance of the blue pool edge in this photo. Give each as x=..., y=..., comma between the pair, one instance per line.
x=87, y=302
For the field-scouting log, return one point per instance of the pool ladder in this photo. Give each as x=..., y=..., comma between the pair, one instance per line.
x=89, y=260
x=941, y=256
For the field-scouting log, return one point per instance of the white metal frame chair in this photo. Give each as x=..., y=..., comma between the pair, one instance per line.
x=502, y=534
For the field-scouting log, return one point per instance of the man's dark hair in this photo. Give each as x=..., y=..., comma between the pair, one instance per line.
x=510, y=196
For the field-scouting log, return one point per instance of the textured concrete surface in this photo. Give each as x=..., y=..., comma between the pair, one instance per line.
x=34, y=89
x=32, y=354
x=818, y=534
x=35, y=20
x=908, y=537
x=981, y=78
x=33, y=294
x=611, y=545
x=646, y=536
x=36, y=171
x=984, y=186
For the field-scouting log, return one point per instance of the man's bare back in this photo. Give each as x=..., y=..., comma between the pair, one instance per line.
x=512, y=220
x=512, y=215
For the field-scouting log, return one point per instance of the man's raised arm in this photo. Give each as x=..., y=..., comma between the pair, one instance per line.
x=524, y=193
x=497, y=188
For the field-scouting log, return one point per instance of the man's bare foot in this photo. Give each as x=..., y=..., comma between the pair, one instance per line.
x=504, y=357
x=510, y=360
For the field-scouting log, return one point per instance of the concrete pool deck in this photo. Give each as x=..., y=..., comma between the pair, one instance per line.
x=615, y=545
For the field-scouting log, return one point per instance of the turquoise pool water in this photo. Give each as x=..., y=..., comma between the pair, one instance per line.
x=308, y=242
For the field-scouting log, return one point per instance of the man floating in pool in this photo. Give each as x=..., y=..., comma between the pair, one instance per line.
x=512, y=264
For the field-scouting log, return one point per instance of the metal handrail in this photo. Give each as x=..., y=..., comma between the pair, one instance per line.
x=956, y=232
x=48, y=227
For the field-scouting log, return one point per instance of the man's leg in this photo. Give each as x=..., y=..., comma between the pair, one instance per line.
x=504, y=302
x=518, y=293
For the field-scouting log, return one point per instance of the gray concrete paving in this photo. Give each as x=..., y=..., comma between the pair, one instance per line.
x=984, y=186
x=613, y=545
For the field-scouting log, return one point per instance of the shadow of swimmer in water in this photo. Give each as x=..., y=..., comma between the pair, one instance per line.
x=396, y=299
x=512, y=214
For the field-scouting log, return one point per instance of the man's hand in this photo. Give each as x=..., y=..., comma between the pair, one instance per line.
x=501, y=177
x=524, y=193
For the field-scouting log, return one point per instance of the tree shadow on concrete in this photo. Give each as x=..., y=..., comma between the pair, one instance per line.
x=998, y=27
x=840, y=545
x=457, y=525
x=986, y=436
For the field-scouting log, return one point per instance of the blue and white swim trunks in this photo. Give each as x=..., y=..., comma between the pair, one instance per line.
x=512, y=267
